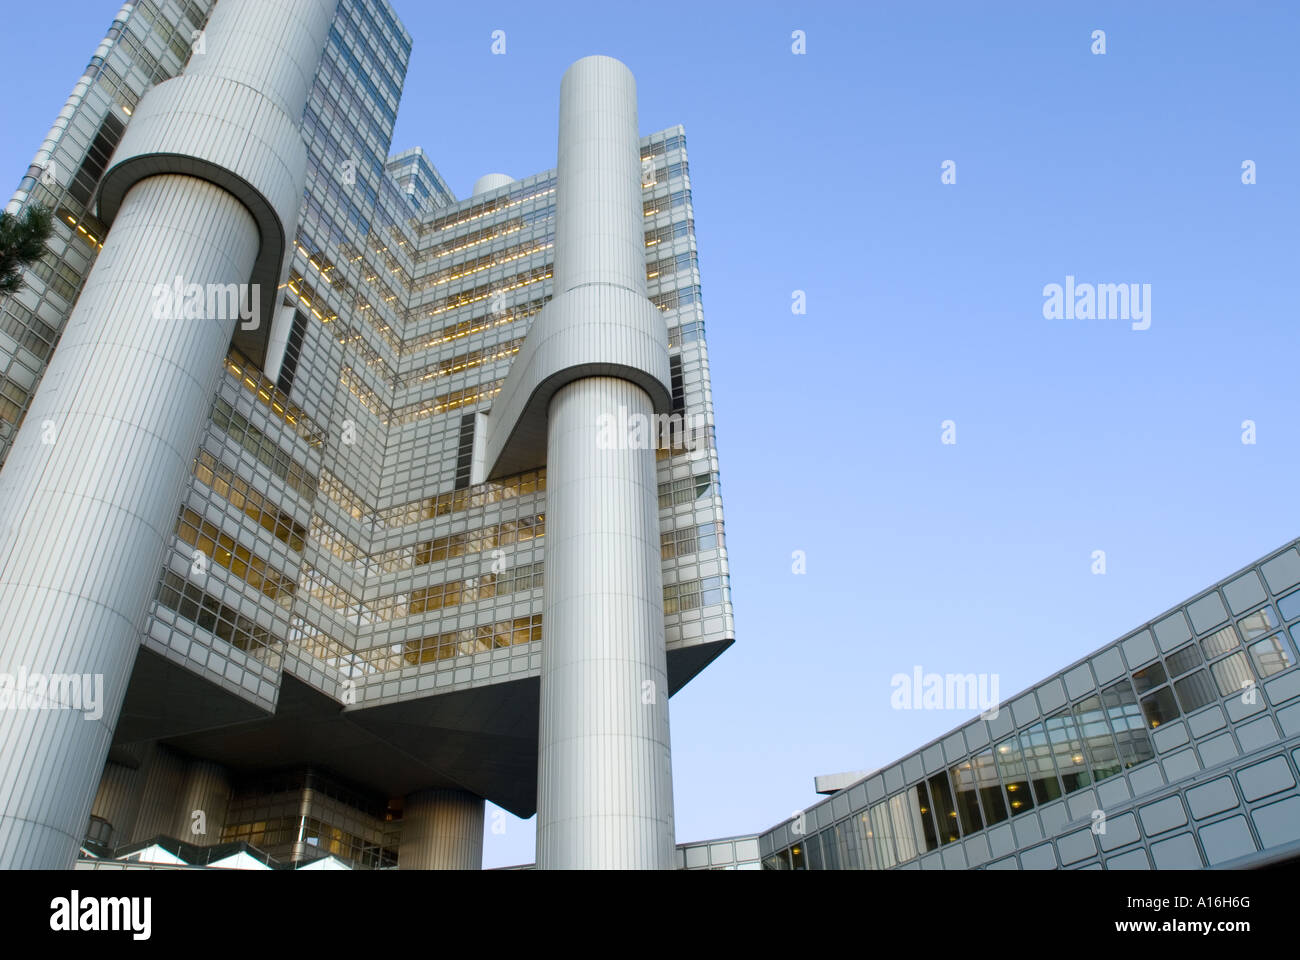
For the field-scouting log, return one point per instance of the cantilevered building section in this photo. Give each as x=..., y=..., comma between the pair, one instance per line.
x=1176, y=746
x=353, y=551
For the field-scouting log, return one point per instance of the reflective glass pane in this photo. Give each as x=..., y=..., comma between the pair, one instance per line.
x=1159, y=707
x=967, y=796
x=850, y=844
x=1011, y=767
x=1090, y=718
x=945, y=811
x=992, y=800
x=918, y=803
x=901, y=811
x=1197, y=689
x=1221, y=641
x=1038, y=762
x=1182, y=660
x=882, y=837
x=1152, y=676
x=1260, y=622
x=1232, y=674
x=798, y=860
x=1067, y=747
x=1272, y=655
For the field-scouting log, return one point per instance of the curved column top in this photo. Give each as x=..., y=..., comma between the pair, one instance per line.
x=599, y=221
x=234, y=118
x=593, y=331
x=599, y=321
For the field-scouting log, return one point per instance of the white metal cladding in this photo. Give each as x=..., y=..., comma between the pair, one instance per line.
x=595, y=330
x=599, y=219
x=598, y=321
x=273, y=46
x=604, y=794
x=233, y=118
x=206, y=788
x=491, y=181
x=84, y=519
x=442, y=830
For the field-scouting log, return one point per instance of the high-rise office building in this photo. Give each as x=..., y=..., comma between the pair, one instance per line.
x=332, y=505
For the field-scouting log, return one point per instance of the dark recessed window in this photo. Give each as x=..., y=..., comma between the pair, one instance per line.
x=1149, y=678
x=1159, y=707
x=1195, y=690
x=1182, y=660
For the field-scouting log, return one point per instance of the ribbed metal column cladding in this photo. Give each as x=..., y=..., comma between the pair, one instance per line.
x=89, y=493
x=598, y=219
x=164, y=779
x=206, y=788
x=604, y=795
x=118, y=799
x=441, y=830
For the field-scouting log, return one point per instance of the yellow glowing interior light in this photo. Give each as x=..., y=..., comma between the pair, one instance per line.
x=1011, y=787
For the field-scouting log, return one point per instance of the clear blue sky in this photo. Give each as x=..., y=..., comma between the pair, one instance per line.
x=822, y=173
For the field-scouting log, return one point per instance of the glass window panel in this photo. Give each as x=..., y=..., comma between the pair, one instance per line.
x=1220, y=642
x=797, y=858
x=1149, y=678
x=1290, y=606
x=992, y=800
x=814, y=852
x=1099, y=745
x=922, y=816
x=945, y=811
x=850, y=844
x=1011, y=766
x=1067, y=747
x=1038, y=762
x=866, y=839
x=1272, y=655
x=1197, y=689
x=966, y=796
x=906, y=840
x=882, y=835
x=829, y=847
x=1232, y=674
x=1260, y=622
x=1182, y=660
x=1159, y=707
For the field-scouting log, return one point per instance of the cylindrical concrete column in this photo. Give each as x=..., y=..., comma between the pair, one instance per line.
x=604, y=794
x=89, y=493
x=441, y=830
